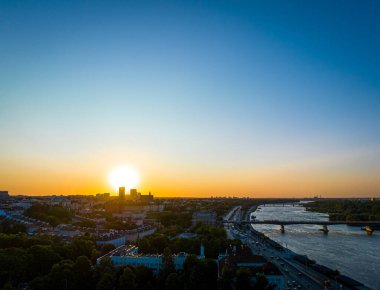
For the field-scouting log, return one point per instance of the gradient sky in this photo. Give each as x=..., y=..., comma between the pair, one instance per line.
x=244, y=98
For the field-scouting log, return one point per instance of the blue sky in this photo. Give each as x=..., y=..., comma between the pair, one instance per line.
x=203, y=90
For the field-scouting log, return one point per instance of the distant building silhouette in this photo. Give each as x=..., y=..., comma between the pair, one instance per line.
x=137, y=196
x=133, y=193
x=122, y=192
x=103, y=195
x=4, y=195
x=146, y=197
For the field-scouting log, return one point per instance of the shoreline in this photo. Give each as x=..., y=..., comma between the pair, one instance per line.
x=303, y=260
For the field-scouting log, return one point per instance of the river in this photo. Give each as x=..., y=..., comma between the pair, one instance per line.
x=347, y=249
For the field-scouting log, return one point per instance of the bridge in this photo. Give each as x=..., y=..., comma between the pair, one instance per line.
x=368, y=226
x=282, y=205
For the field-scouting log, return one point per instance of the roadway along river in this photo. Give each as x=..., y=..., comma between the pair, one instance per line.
x=347, y=249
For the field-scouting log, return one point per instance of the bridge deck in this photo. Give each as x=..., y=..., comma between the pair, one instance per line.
x=322, y=223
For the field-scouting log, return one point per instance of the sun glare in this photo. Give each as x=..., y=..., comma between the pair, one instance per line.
x=125, y=176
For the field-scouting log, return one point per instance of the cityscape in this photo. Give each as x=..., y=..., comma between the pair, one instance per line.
x=195, y=145
x=177, y=243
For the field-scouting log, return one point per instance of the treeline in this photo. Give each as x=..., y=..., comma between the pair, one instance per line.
x=241, y=279
x=347, y=210
x=43, y=263
x=8, y=227
x=53, y=215
x=180, y=220
x=214, y=240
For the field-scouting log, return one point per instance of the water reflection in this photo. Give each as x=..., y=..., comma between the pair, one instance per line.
x=347, y=249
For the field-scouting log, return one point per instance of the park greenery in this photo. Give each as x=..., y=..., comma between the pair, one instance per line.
x=347, y=210
x=54, y=215
x=214, y=240
x=8, y=227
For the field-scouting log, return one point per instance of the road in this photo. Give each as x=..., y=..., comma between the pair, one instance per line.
x=297, y=276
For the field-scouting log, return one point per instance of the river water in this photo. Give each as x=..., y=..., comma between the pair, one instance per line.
x=347, y=249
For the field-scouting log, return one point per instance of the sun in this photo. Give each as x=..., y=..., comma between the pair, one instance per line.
x=125, y=176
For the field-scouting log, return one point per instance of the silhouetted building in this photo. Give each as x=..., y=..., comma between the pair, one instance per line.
x=122, y=192
x=4, y=195
x=137, y=196
x=146, y=197
x=133, y=193
x=205, y=217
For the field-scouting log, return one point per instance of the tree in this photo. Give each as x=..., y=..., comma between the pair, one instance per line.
x=41, y=259
x=226, y=279
x=167, y=261
x=172, y=282
x=262, y=283
x=8, y=286
x=106, y=248
x=10, y=241
x=145, y=279
x=158, y=243
x=13, y=265
x=40, y=283
x=11, y=228
x=127, y=280
x=144, y=245
x=203, y=275
x=105, y=265
x=243, y=279
x=106, y=282
x=61, y=276
x=83, y=246
x=83, y=273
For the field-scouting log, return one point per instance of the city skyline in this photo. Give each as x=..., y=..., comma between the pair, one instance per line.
x=209, y=99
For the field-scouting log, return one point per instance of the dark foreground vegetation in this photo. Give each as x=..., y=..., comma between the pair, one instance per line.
x=347, y=210
x=44, y=263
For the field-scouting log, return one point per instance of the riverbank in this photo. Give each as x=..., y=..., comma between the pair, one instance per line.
x=347, y=210
x=329, y=249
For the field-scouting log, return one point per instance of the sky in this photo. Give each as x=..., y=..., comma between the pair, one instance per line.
x=202, y=98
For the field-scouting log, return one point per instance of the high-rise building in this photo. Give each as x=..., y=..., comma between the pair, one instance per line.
x=122, y=192
x=133, y=193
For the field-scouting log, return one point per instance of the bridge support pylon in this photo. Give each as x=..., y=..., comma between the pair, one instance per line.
x=324, y=229
x=368, y=229
x=282, y=229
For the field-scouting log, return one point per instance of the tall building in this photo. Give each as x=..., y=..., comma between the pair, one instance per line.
x=133, y=193
x=122, y=192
